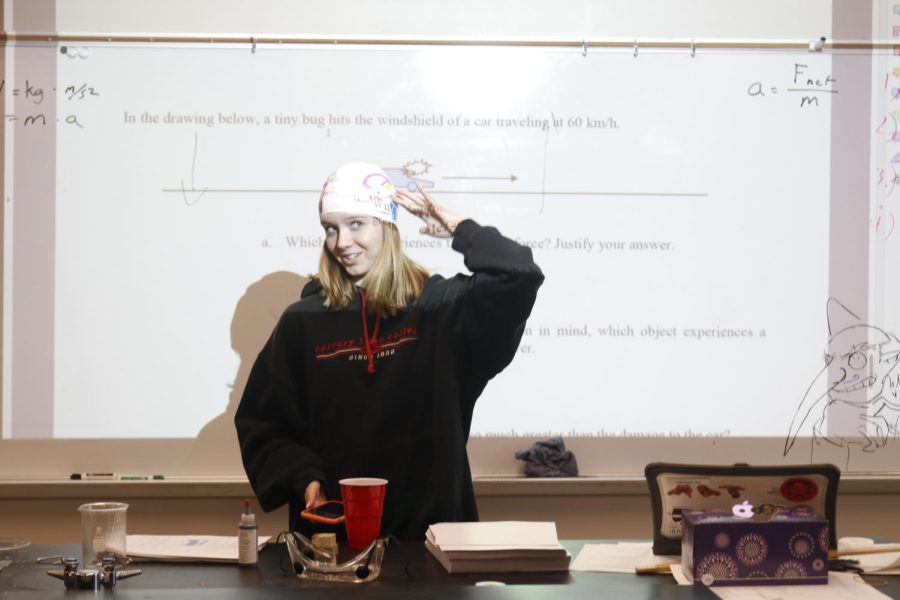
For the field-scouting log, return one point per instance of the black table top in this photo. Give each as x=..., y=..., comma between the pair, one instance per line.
x=407, y=572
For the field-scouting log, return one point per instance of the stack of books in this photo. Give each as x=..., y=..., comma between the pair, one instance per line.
x=497, y=547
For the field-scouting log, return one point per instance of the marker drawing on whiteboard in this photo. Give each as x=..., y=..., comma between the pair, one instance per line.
x=861, y=371
x=184, y=192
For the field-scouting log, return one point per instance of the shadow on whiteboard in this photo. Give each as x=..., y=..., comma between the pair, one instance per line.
x=255, y=316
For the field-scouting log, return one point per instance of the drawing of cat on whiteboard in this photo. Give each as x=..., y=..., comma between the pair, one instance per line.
x=861, y=370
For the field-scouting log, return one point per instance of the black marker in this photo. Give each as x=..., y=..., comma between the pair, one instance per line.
x=90, y=476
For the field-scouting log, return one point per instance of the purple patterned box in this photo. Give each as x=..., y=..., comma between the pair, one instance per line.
x=749, y=547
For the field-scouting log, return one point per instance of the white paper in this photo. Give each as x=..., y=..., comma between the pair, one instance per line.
x=216, y=548
x=887, y=563
x=678, y=574
x=619, y=558
x=840, y=587
x=494, y=535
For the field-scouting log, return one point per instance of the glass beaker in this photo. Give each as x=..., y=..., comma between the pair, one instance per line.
x=103, y=526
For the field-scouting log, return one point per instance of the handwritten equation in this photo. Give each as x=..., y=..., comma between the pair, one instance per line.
x=887, y=153
x=36, y=95
x=806, y=84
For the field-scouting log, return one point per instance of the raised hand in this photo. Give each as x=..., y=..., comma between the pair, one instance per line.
x=439, y=221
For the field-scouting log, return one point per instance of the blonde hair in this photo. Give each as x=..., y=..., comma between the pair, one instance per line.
x=391, y=284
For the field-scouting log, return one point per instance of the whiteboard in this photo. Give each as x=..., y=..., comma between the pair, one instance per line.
x=679, y=206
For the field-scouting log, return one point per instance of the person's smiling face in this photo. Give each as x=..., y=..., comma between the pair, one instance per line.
x=354, y=241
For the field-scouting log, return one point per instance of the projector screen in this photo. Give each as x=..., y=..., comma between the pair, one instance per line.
x=161, y=212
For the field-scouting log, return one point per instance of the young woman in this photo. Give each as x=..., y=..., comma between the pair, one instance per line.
x=376, y=370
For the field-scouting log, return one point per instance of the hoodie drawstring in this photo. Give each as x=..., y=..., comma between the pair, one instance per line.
x=372, y=345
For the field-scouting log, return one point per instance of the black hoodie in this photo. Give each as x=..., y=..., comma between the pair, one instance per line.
x=312, y=410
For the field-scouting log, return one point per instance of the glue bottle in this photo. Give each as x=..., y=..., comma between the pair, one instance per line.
x=247, y=537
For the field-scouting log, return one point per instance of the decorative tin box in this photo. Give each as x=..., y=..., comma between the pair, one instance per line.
x=755, y=546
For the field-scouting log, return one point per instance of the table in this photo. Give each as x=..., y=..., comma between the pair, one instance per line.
x=25, y=580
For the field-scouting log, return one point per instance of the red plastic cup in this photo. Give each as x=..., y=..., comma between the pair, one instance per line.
x=363, y=503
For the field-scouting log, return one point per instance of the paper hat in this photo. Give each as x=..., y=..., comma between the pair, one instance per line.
x=360, y=189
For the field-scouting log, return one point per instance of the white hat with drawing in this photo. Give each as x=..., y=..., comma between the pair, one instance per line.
x=361, y=189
